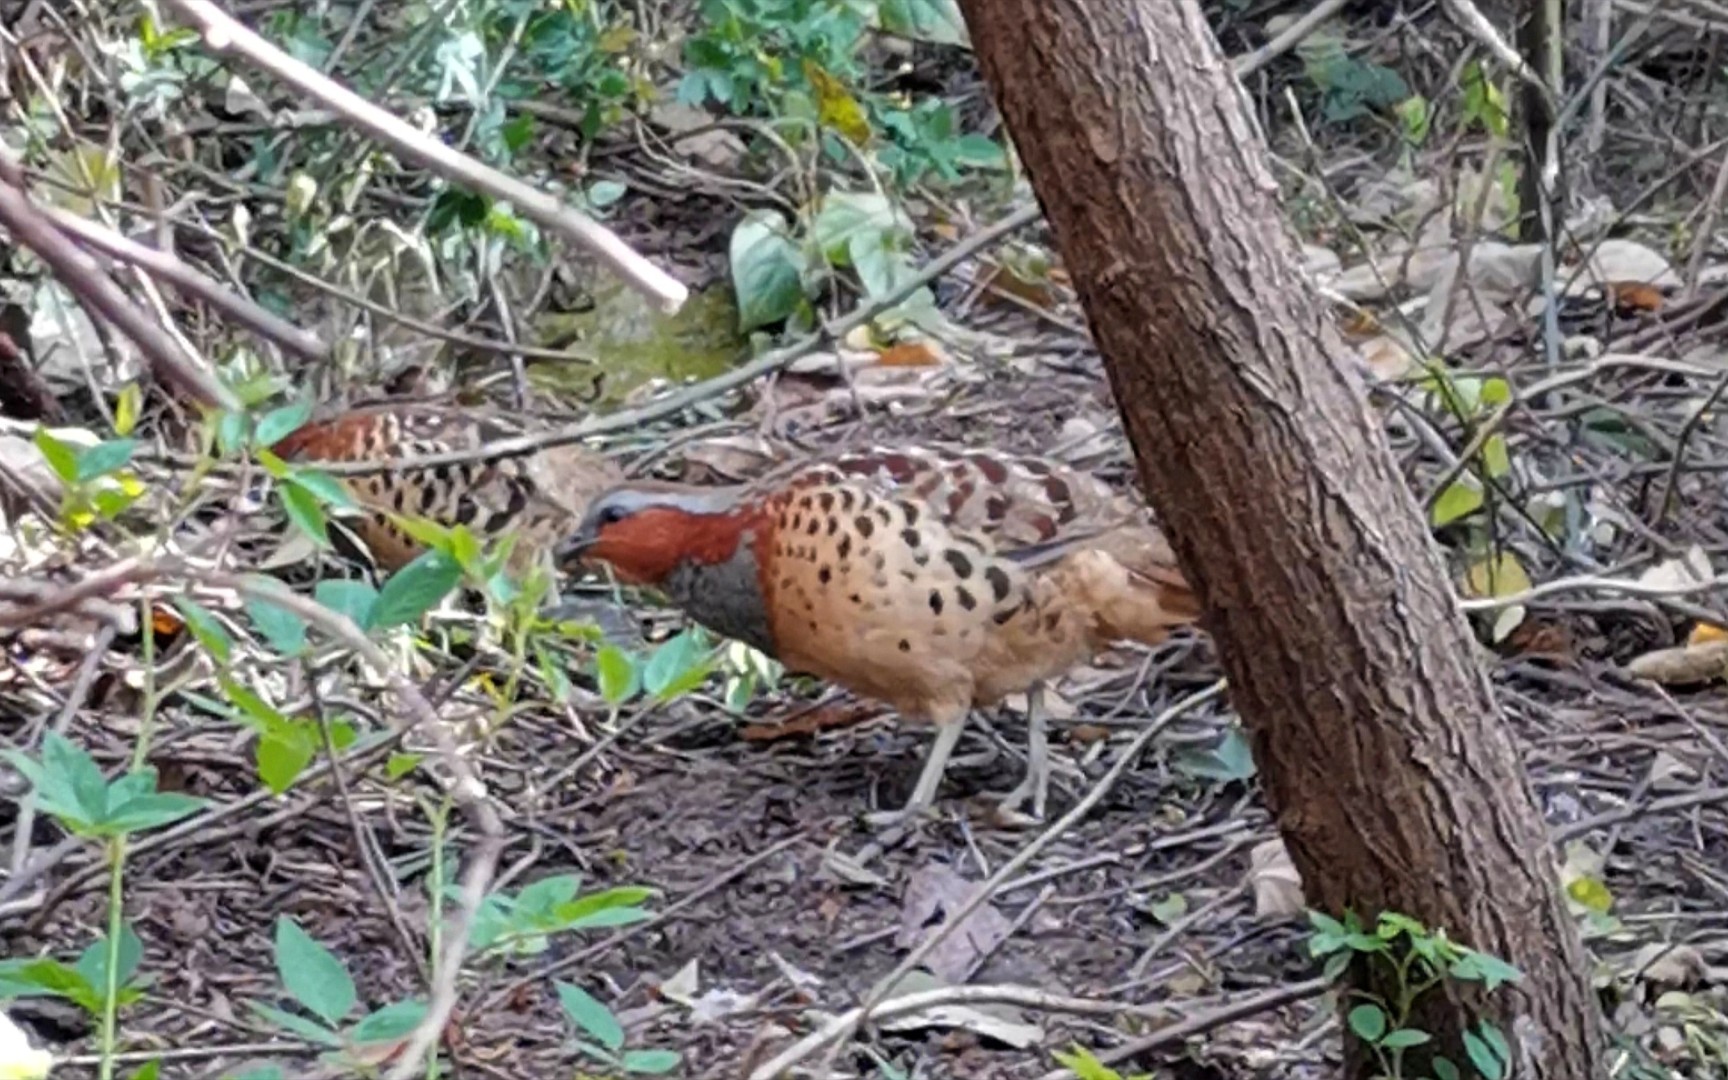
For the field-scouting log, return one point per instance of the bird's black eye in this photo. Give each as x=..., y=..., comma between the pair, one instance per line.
x=611, y=515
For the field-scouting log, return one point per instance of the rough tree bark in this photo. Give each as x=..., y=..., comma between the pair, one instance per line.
x=1382, y=752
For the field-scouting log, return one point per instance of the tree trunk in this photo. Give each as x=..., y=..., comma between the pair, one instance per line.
x=1382, y=753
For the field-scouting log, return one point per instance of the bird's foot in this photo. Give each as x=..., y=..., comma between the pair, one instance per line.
x=1035, y=790
x=909, y=817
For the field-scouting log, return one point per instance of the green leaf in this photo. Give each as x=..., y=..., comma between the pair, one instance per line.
x=231, y=433
x=1491, y=971
x=353, y=599
x=93, y=961
x=126, y=409
x=1459, y=500
x=60, y=980
x=1404, y=1038
x=206, y=629
x=312, y=974
x=882, y=265
x=617, y=674
x=678, y=665
x=69, y=785
x=1495, y=457
x=299, y=1025
x=937, y=21
x=591, y=1016
x=650, y=1062
x=284, y=630
x=415, y=589
x=1231, y=760
x=767, y=270
x=847, y=214
x=322, y=486
x=400, y=765
x=104, y=458
x=150, y=1070
x=1368, y=1022
x=1444, y=1069
x=304, y=511
x=278, y=424
x=392, y=1023
x=283, y=756
x=151, y=810
x=60, y=457
x=1483, y=1057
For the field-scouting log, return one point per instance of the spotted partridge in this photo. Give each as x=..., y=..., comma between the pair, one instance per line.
x=539, y=497
x=935, y=580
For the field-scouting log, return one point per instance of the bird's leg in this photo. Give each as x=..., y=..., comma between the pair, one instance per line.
x=1037, y=781
x=930, y=780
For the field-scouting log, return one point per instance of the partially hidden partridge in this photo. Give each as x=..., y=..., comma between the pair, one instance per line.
x=539, y=497
x=935, y=580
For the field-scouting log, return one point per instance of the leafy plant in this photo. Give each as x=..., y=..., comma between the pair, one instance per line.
x=605, y=1036
x=70, y=786
x=316, y=980
x=522, y=924
x=1417, y=960
x=84, y=981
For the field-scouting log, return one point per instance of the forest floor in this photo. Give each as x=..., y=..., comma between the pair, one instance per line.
x=1162, y=929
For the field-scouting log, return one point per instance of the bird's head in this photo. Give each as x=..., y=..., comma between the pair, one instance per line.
x=645, y=530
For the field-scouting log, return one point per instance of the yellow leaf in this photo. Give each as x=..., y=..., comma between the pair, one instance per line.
x=835, y=106
x=1502, y=575
x=1591, y=893
x=1704, y=632
x=617, y=39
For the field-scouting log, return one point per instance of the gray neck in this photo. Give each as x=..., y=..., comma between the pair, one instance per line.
x=725, y=597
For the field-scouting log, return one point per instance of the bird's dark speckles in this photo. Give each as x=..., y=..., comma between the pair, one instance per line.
x=956, y=503
x=466, y=510
x=967, y=600
x=815, y=526
x=908, y=575
x=899, y=466
x=905, y=646
x=999, y=583
x=826, y=501
x=936, y=601
x=1035, y=467
x=1052, y=621
x=884, y=515
x=1045, y=527
x=1057, y=491
x=995, y=508
x=785, y=583
x=397, y=498
x=806, y=502
x=846, y=500
x=911, y=512
x=910, y=537
x=961, y=564
x=993, y=470
x=865, y=526
x=855, y=598
x=878, y=561
x=833, y=525
x=845, y=546
x=921, y=559
x=1001, y=617
x=797, y=522
x=825, y=575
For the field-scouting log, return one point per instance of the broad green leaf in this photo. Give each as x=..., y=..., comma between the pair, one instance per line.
x=618, y=675
x=1491, y=971
x=937, y=21
x=278, y=424
x=1444, y=1069
x=299, y=1025
x=1459, y=500
x=1368, y=1022
x=93, y=961
x=1404, y=1038
x=260, y=713
x=1169, y=909
x=415, y=589
x=104, y=458
x=650, y=1062
x=151, y=811
x=1231, y=760
x=846, y=214
x=882, y=266
x=284, y=630
x=305, y=512
x=283, y=756
x=674, y=665
x=206, y=628
x=400, y=765
x=390, y=1023
x=1481, y=1055
x=767, y=270
x=591, y=1016
x=327, y=489
x=544, y=896
x=150, y=1070
x=353, y=599
x=231, y=433
x=1084, y=1065
x=60, y=457
x=60, y=980
x=312, y=974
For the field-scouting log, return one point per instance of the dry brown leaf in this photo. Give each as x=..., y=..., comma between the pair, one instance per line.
x=934, y=892
x=1667, y=964
x=810, y=722
x=1683, y=664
